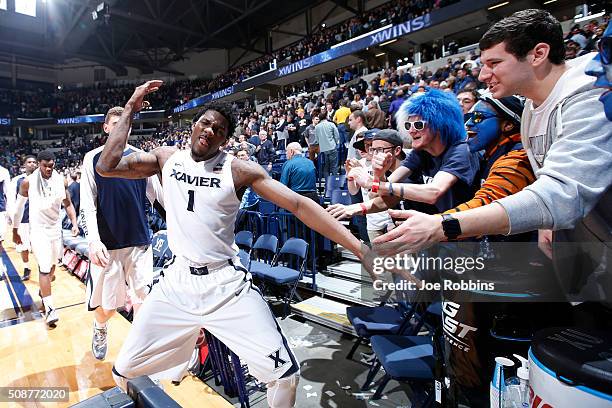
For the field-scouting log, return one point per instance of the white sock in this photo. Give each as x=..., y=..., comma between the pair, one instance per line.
x=48, y=302
x=26, y=265
x=99, y=325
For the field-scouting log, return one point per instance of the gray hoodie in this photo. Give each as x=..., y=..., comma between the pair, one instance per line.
x=573, y=163
x=572, y=195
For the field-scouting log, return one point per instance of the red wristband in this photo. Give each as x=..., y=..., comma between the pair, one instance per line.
x=375, y=184
x=364, y=209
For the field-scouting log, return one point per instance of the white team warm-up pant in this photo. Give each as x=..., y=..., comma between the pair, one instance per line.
x=224, y=302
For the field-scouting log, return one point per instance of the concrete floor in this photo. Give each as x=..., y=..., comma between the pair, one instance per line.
x=328, y=379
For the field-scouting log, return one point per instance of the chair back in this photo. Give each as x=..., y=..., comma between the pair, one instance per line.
x=268, y=243
x=244, y=240
x=341, y=197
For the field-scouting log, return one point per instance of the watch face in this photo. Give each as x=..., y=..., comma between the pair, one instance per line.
x=450, y=226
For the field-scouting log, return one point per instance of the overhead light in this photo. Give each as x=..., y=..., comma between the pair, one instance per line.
x=249, y=89
x=588, y=17
x=405, y=58
x=380, y=54
x=100, y=7
x=549, y=1
x=94, y=15
x=387, y=43
x=323, y=25
x=498, y=5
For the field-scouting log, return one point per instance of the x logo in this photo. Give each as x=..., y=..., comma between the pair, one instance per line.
x=278, y=362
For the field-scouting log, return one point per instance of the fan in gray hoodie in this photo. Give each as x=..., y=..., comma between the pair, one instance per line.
x=569, y=143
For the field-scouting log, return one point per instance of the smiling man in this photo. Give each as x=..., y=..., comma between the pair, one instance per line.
x=564, y=131
x=440, y=166
x=204, y=285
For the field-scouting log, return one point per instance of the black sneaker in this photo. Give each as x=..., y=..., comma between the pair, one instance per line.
x=26, y=274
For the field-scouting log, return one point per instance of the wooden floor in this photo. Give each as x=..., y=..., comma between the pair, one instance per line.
x=32, y=355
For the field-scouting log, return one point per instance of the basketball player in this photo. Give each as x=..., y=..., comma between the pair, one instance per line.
x=117, y=231
x=29, y=165
x=5, y=180
x=204, y=285
x=46, y=190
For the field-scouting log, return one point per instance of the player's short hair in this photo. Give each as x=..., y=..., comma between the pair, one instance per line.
x=114, y=111
x=46, y=155
x=29, y=156
x=224, y=111
x=523, y=30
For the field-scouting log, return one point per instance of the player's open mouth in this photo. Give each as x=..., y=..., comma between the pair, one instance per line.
x=414, y=138
x=492, y=85
x=471, y=134
x=203, y=141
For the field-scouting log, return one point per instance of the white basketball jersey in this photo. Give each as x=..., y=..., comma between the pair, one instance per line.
x=201, y=207
x=45, y=197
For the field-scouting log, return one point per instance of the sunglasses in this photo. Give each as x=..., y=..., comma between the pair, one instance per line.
x=605, y=48
x=417, y=125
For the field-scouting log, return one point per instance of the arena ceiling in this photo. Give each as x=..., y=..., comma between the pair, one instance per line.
x=146, y=34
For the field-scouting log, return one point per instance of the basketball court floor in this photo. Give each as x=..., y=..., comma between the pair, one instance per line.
x=32, y=355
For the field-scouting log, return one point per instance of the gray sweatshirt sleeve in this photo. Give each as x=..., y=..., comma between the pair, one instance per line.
x=577, y=171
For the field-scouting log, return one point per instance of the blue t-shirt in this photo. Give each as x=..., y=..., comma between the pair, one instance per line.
x=299, y=174
x=456, y=160
x=121, y=213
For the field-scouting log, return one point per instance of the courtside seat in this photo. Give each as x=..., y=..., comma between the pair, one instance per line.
x=368, y=321
x=282, y=275
x=266, y=244
x=405, y=357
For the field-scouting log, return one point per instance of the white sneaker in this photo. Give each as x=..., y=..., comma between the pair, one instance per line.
x=52, y=317
x=98, y=342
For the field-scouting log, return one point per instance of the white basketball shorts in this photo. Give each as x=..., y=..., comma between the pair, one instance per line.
x=224, y=302
x=3, y=225
x=46, y=246
x=107, y=286
x=24, y=233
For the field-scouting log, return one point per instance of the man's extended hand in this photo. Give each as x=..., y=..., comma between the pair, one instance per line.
x=340, y=211
x=137, y=99
x=417, y=232
x=74, y=230
x=98, y=254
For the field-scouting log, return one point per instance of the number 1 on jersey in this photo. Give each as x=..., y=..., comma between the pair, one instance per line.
x=191, y=198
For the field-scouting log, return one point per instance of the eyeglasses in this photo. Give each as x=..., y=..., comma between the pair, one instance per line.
x=381, y=149
x=418, y=125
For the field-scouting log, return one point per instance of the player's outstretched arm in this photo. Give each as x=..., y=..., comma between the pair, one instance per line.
x=247, y=173
x=137, y=165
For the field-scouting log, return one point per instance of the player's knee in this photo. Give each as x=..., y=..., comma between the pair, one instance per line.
x=119, y=378
x=281, y=392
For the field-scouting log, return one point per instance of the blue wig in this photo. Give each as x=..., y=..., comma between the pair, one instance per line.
x=440, y=110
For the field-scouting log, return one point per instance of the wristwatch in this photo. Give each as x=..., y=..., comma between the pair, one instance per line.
x=451, y=227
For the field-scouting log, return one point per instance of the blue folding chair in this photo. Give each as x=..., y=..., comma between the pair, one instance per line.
x=341, y=197
x=244, y=241
x=383, y=319
x=408, y=358
x=285, y=276
x=334, y=183
x=265, y=250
